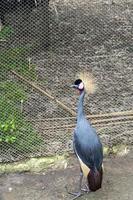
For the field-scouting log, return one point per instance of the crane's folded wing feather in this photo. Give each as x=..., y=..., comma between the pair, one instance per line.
x=89, y=150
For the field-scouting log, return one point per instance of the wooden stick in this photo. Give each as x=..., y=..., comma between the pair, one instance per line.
x=105, y=115
x=98, y=126
x=111, y=122
x=45, y=93
x=113, y=114
x=112, y=119
x=100, y=121
x=65, y=107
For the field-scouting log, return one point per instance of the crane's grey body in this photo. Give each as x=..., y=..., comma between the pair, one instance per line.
x=87, y=145
x=86, y=142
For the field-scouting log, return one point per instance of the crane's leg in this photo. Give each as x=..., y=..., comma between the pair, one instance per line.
x=86, y=189
x=79, y=193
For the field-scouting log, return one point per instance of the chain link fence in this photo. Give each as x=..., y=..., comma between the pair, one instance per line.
x=43, y=45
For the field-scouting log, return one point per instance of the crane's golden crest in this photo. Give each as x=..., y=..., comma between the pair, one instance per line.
x=89, y=82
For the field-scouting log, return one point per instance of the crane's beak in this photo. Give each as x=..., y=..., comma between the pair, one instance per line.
x=74, y=86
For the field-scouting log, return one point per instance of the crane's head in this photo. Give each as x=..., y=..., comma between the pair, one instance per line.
x=85, y=82
x=79, y=85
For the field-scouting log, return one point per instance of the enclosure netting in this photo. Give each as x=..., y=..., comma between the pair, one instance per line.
x=43, y=45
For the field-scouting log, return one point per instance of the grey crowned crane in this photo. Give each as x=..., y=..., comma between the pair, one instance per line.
x=87, y=145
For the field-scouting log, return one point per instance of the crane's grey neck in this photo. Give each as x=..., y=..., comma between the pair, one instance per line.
x=80, y=106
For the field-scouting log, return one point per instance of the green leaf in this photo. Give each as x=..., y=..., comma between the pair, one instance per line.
x=6, y=127
x=13, y=139
x=7, y=139
x=13, y=126
x=10, y=139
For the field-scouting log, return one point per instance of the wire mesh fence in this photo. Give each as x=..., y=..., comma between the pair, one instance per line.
x=43, y=45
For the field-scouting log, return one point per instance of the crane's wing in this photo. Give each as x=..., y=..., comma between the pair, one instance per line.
x=89, y=150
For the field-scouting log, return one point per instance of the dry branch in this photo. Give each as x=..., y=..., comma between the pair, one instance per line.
x=105, y=115
x=114, y=116
x=99, y=127
x=44, y=93
x=112, y=119
x=121, y=118
x=98, y=124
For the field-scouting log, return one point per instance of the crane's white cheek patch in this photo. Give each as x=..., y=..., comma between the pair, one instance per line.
x=84, y=168
x=81, y=86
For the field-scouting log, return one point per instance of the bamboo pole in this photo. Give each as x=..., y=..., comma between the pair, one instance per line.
x=100, y=121
x=113, y=114
x=105, y=115
x=109, y=123
x=112, y=119
x=44, y=93
x=113, y=123
x=98, y=127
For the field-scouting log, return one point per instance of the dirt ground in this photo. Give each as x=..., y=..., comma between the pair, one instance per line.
x=50, y=185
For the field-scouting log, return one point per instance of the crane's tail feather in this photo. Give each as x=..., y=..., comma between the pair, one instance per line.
x=95, y=179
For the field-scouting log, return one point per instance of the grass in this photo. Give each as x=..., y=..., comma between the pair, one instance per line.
x=17, y=136
x=12, y=91
x=13, y=122
x=16, y=59
x=5, y=32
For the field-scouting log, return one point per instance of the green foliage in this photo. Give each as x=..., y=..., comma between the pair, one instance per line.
x=7, y=108
x=18, y=134
x=16, y=59
x=28, y=140
x=15, y=130
x=12, y=91
x=5, y=32
x=7, y=131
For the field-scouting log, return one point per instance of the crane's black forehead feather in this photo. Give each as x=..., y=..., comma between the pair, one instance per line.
x=78, y=81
